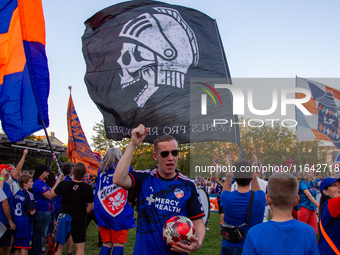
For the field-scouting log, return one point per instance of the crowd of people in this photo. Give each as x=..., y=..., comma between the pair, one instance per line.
x=280, y=216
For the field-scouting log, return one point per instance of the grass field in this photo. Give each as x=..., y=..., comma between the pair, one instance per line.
x=211, y=244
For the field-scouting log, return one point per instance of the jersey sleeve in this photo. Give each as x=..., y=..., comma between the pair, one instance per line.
x=137, y=179
x=43, y=188
x=29, y=203
x=333, y=207
x=303, y=186
x=194, y=206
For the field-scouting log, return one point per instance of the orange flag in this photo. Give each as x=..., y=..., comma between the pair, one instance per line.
x=78, y=149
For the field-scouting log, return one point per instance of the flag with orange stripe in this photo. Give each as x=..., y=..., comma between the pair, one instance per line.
x=324, y=106
x=24, y=75
x=78, y=149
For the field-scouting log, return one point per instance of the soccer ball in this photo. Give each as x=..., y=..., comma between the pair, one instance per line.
x=178, y=229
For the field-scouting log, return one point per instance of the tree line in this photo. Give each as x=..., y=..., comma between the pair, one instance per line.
x=269, y=143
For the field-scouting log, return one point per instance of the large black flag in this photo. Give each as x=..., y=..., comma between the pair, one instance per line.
x=144, y=59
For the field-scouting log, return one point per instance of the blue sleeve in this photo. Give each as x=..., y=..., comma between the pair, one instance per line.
x=194, y=206
x=249, y=247
x=303, y=186
x=42, y=187
x=130, y=169
x=138, y=179
x=262, y=196
x=223, y=194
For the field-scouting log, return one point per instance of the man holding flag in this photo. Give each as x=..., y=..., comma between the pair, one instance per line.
x=164, y=183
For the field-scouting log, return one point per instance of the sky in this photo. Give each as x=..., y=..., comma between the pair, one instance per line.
x=264, y=38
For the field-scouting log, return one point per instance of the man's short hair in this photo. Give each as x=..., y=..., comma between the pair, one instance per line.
x=243, y=174
x=163, y=138
x=79, y=171
x=282, y=190
x=67, y=168
x=24, y=178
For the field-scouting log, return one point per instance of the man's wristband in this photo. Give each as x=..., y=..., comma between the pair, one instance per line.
x=2, y=178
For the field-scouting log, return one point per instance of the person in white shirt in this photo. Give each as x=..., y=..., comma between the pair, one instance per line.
x=14, y=174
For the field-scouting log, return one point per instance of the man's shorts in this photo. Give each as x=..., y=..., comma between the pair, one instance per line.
x=109, y=235
x=22, y=243
x=78, y=230
x=6, y=238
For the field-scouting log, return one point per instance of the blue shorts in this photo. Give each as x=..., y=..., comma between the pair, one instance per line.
x=22, y=243
x=64, y=228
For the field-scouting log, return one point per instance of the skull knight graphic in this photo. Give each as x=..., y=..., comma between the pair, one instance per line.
x=158, y=49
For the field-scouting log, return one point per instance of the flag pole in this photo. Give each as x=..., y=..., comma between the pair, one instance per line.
x=297, y=142
x=49, y=143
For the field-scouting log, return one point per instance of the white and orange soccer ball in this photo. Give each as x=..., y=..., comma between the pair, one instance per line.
x=178, y=229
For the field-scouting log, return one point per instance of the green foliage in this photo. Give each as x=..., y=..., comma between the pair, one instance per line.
x=268, y=142
x=100, y=141
x=33, y=138
x=61, y=159
x=31, y=163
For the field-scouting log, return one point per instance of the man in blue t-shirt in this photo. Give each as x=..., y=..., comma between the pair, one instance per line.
x=286, y=235
x=163, y=193
x=43, y=206
x=235, y=203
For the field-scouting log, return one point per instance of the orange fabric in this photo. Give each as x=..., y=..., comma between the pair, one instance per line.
x=329, y=241
x=31, y=14
x=109, y=235
x=310, y=105
x=12, y=55
x=213, y=204
x=320, y=136
x=78, y=149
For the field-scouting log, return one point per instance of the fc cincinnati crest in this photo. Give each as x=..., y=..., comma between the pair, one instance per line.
x=328, y=117
x=112, y=198
x=179, y=193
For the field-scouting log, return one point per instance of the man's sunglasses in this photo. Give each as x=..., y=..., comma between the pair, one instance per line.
x=174, y=153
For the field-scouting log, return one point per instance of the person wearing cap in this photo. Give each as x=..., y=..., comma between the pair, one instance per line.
x=15, y=172
x=329, y=213
x=6, y=211
x=43, y=206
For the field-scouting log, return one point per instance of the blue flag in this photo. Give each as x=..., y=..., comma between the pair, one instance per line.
x=24, y=76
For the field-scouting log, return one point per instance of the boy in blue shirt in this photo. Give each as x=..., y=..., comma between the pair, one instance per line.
x=23, y=215
x=286, y=235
